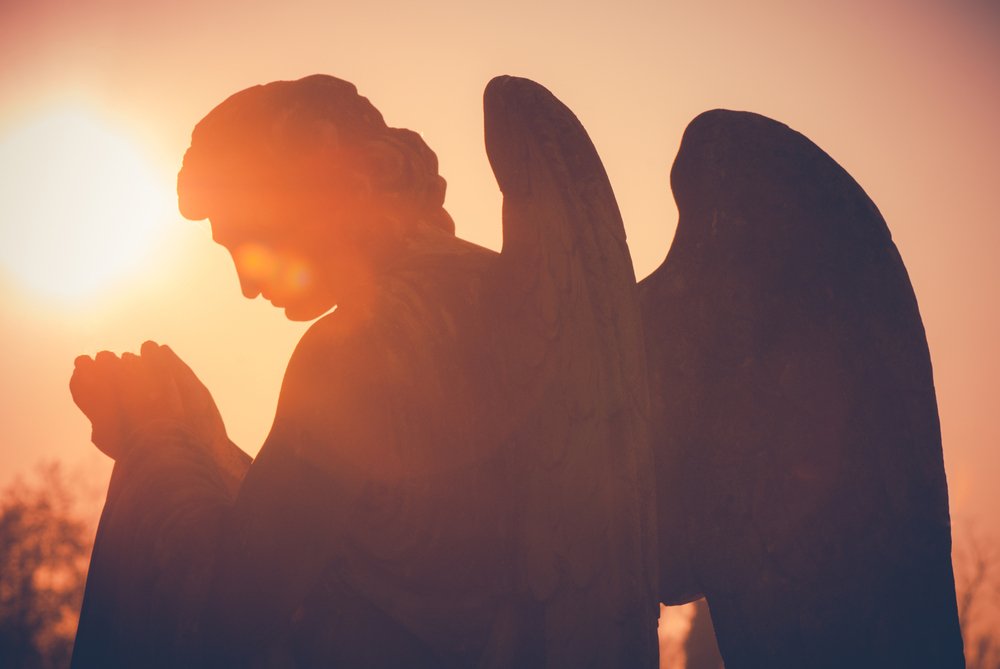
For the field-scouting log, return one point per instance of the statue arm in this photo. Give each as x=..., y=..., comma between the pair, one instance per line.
x=176, y=473
x=193, y=570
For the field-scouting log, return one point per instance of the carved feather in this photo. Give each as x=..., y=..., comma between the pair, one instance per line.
x=566, y=291
x=795, y=430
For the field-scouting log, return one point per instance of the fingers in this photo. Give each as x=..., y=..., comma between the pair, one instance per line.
x=93, y=379
x=138, y=384
x=83, y=372
x=105, y=358
x=199, y=407
x=168, y=354
x=191, y=387
x=171, y=360
x=123, y=394
x=117, y=394
x=148, y=348
x=94, y=388
x=161, y=380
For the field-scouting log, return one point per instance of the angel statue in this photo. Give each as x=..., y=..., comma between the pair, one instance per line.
x=491, y=460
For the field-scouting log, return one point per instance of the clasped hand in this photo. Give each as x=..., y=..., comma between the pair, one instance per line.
x=124, y=395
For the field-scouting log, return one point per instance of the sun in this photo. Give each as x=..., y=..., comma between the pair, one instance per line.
x=80, y=206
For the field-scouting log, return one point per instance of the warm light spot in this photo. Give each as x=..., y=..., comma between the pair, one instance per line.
x=255, y=262
x=297, y=275
x=80, y=207
x=278, y=275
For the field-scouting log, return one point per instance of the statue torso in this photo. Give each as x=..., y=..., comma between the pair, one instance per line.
x=401, y=422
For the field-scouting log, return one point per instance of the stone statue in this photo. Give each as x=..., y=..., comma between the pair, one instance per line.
x=469, y=466
x=458, y=473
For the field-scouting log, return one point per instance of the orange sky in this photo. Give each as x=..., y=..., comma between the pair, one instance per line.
x=905, y=95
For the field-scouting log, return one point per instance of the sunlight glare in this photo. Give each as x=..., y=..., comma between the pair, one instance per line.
x=80, y=207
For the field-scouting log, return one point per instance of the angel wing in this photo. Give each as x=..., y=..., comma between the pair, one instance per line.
x=565, y=292
x=795, y=430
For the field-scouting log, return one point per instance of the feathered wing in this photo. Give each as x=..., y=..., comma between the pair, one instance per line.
x=794, y=423
x=574, y=376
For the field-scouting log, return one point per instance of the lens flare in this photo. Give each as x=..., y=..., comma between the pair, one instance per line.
x=279, y=276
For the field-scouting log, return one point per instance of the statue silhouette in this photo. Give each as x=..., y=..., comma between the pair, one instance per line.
x=468, y=465
x=458, y=473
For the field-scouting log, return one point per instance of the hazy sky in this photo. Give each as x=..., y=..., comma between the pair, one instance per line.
x=905, y=95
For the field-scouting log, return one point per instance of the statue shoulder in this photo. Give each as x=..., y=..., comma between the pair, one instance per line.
x=340, y=353
x=441, y=280
x=388, y=364
x=334, y=408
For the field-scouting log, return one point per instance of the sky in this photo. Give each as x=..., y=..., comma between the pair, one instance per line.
x=904, y=95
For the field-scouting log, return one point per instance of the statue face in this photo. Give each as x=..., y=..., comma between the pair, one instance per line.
x=288, y=269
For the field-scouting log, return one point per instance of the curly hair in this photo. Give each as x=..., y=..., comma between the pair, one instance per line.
x=312, y=140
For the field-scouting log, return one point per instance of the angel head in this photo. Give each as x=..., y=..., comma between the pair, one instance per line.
x=309, y=190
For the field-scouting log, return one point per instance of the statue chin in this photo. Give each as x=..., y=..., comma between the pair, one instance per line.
x=306, y=312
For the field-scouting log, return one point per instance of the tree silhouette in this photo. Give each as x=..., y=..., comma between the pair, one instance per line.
x=45, y=545
x=977, y=584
